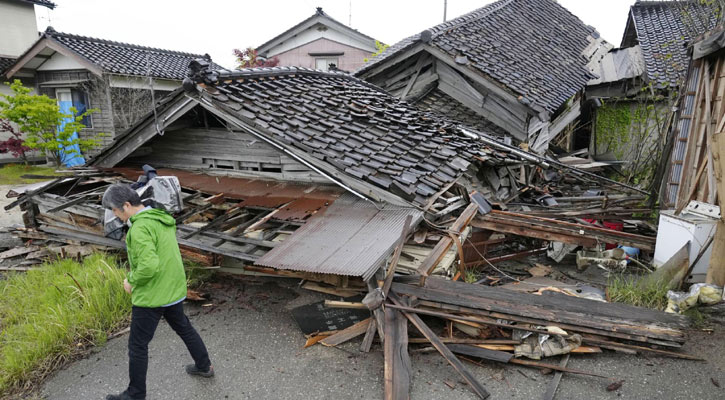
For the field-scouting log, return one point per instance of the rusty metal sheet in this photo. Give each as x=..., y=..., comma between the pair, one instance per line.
x=301, y=199
x=351, y=238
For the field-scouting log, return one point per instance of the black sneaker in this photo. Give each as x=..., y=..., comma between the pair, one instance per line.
x=191, y=369
x=122, y=396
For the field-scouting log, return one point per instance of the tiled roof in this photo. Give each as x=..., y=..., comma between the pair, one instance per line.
x=441, y=103
x=663, y=30
x=353, y=126
x=127, y=59
x=6, y=63
x=532, y=47
x=43, y=3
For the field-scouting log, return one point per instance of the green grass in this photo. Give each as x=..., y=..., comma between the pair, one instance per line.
x=638, y=292
x=11, y=174
x=197, y=274
x=48, y=314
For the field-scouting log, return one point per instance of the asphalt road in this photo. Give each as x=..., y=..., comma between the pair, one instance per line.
x=256, y=348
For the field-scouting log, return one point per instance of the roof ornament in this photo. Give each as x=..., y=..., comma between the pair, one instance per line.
x=199, y=71
x=319, y=11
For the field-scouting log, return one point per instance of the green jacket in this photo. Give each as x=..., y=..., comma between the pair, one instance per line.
x=157, y=272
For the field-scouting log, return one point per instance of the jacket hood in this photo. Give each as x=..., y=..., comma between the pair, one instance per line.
x=155, y=214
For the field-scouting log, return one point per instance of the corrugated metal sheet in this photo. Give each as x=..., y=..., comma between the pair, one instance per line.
x=351, y=238
x=679, y=148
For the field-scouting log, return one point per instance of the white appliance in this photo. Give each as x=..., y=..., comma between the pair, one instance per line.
x=696, y=224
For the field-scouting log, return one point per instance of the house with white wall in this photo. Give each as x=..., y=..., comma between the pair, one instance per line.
x=318, y=42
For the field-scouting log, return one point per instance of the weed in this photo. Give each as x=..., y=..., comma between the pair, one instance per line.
x=698, y=319
x=638, y=292
x=51, y=312
x=197, y=274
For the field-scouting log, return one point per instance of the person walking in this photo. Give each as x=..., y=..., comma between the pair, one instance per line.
x=157, y=284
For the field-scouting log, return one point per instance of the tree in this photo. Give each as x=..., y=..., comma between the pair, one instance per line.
x=381, y=47
x=47, y=129
x=248, y=58
x=14, y=144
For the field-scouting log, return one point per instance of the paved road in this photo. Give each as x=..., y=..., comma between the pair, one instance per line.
x=257, y=351
x=12, y=217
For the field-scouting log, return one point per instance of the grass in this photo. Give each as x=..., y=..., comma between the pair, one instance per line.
x=49, y=314
x=630, y=289
x=197, y=274
x=11, y=174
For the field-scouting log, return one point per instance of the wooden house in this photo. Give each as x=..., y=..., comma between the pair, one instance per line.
x=318, y=42
x=509, y=68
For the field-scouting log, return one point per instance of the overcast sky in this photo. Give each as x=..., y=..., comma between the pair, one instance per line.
x=218, y=26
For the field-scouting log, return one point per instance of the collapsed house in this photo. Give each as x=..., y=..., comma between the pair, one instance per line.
x=627, y=109
x=513, y=67
x=321, y=176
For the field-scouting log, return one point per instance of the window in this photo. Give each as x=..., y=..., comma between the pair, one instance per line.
x=75, y=98
x=323, y=63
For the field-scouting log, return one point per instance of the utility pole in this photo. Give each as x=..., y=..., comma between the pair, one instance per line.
x=445, y=9
x=349, y=18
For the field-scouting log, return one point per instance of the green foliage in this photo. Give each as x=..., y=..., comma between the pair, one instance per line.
x=381, y=47
x=11, y=174
x=197, y=274
x=48, y=313
x=40, y=118
x=697, y=318
x=638, y=292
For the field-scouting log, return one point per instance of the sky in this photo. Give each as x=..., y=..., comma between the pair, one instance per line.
x=218, y=26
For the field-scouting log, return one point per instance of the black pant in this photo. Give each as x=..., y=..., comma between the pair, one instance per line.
x=143, y=325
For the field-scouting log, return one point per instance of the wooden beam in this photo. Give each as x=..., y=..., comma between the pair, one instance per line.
x=435, y=256
x=476, y=386
x=346, y=334
x=397, y=361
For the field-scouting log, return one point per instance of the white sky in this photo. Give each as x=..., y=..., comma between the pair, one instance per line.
x=218, y=26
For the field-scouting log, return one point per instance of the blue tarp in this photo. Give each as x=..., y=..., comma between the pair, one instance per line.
x=70, y=156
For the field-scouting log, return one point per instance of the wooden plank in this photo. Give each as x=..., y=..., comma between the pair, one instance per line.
x=346, y=334
x=435, y=256
x=504, y=357
x=369, y=337
x=476, y=386
x=396, y=255
x=18, y=251
x=577, y=313
x=554, y=383
x=397, y=371
x=345, y=304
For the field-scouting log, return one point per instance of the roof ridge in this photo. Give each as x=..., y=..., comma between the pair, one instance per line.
x=50, y=31
x=484, y=11
x=201, y=71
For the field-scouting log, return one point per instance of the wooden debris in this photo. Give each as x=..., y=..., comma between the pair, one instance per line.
x=347, y=334
x=477, y=388
x=554, y=384
x=397, y=362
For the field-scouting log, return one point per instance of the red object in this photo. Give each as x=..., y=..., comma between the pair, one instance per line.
x=615, y=226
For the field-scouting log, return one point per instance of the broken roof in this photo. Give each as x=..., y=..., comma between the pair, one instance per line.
x=114, y=57
x=439, y=102
x=347, y=124
x=353, y=237
x=534, y=48
x=663, y=29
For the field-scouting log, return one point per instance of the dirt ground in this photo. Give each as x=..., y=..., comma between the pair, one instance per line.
x=257, y=350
